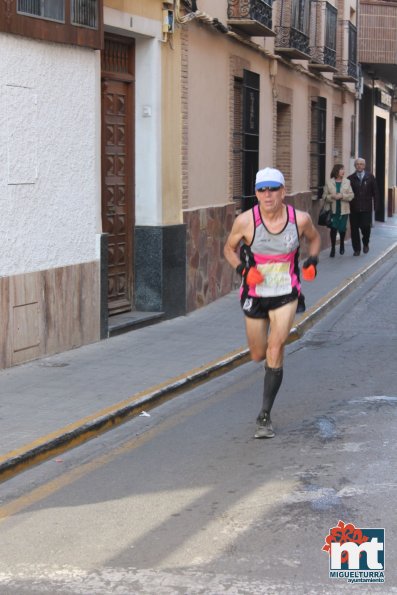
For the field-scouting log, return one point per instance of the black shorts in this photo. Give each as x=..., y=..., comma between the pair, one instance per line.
x=257, y=307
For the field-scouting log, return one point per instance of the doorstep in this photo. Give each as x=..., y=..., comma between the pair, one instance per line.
x=130, y=321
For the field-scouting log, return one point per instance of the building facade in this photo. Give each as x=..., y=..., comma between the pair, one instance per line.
x=130, y=135
x=49, y=177
x=265, y=83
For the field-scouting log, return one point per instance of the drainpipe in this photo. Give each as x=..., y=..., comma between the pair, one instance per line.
x=359, y=90
x=373, y=157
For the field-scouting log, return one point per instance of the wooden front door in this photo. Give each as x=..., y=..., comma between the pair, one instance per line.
x=118, y=203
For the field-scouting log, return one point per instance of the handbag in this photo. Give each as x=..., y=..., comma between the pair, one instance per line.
x=324, y=217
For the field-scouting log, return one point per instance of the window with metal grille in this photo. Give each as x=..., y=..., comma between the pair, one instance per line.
x=53, y=10
x=352, y=44
x=284, y=139
x=318, y=139
x=84, y=12
x=116, y=56
x=250, y=147
x=338, y=140
x=245, y=139
x=353, y=136
x=330, y=27
x=237, y=170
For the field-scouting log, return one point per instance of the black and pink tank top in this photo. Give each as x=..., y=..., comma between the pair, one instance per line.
x=276, y=256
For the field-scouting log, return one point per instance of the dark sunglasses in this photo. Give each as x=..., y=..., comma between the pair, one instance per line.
x=270, y=188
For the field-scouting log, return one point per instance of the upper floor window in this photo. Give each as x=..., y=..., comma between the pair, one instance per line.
x=54, y=10
x=352, y=43
x=330, y=27
x=83, y=12
x=300, y=16
x=77, y=22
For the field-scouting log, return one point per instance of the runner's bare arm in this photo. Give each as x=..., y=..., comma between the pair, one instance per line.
x=239, y=232
x=308, y=231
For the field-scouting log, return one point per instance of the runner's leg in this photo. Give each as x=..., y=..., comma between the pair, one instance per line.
x=273, y=379
x=281, y=321
x=256, y=330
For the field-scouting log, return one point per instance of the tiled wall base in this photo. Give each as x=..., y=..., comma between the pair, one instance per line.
x=209, y=276
x=160, y=269
x=48, y=312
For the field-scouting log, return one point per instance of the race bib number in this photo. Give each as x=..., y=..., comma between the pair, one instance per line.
x=277, y=279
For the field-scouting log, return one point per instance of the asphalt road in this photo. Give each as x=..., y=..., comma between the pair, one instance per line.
x=185, y=501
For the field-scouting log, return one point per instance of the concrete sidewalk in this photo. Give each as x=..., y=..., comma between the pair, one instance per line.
x=52, y=404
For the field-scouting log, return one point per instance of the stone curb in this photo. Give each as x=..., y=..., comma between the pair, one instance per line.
x=75, y=434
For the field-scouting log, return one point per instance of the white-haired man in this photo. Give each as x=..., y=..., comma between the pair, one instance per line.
x=365, y=201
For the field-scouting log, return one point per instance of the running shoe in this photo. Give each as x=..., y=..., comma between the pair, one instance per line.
x=264, y=428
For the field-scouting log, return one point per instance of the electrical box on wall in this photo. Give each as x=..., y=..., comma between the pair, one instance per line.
x=168, y=21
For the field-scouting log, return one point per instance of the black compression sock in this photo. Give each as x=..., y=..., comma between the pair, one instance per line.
x=273, y=379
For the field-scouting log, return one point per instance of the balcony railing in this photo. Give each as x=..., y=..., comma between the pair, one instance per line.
x=293, y=43
x=252, y=17
x=346, y=71
x=323, y=59
x=293, y=30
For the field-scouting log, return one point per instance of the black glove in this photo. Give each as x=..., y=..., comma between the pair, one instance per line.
x=247, y=260
x=247, y=268
x=240, y=269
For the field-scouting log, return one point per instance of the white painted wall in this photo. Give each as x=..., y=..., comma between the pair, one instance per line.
x=148, y=181
x=49, y=155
